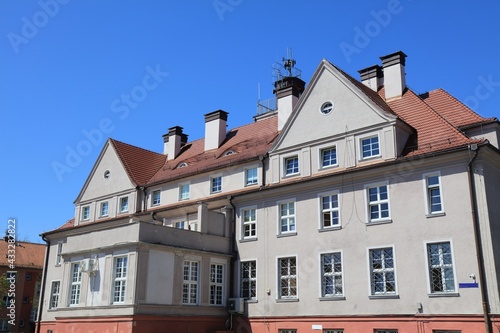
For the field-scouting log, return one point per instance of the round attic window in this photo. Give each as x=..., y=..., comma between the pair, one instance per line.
x=326, y=107
x=107, y=173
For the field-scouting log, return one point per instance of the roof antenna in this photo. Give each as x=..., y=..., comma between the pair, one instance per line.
x=289, y=62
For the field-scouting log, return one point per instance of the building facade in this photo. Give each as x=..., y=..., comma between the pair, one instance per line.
x=352, y=206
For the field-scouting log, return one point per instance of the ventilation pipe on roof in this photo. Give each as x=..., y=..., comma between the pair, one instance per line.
x=173, y=141
x=215, y=129
x=372, y=77
x=394, y=74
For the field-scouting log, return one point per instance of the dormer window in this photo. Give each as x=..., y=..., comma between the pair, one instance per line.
x=85, y=213
x=291, y=165
x=229, y=152
x=182, y=165
x=370, y=147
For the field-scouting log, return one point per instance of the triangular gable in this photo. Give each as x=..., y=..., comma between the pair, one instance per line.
x=97, y=185
x=354, y=111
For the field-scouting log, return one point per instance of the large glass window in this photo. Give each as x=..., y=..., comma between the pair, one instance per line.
x=383, y=275
x=331, y=273
x=76, y=284
x=441, y=274
x=190, y=284
x=54, y=294
x=120, y=283
x=248, y=283
x=216, y=284
x=287, y=268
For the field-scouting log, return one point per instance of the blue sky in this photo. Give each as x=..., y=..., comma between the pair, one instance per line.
x=74, y=73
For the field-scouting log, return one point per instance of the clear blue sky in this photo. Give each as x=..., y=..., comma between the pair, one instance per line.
x=66, y=68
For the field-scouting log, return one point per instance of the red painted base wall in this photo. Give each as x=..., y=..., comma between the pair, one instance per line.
x=136, y=324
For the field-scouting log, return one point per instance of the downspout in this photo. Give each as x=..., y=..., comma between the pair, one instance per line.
x=263, y=160
x=42, y=291
x=144, y=199
x=478, y=241
x=233, y=258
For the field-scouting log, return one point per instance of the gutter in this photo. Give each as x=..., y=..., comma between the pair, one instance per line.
x=478, y=241
x=44, y=278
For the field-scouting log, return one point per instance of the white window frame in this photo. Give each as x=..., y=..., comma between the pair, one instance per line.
x=428, y=269
x=120, y=272
x=427, y=196
x=121, y=209
x=75, y=284
x=285, y=169
x=183, y=186
x=190, y=283
x=248, y=279
x=155, y=202
x=59, y=254
x=55, y=296
x=330, y=210
x=217, y=282
x=255, y=180
x=244, y=224
x=321, y=150
x=104, y=212
x=180, y=224
x=287, y=217
x=289, y=277
x=212, y=187
x=384, y=271
x=323, y=295
x=83, y=213
x=379, y=202
x=360, y=145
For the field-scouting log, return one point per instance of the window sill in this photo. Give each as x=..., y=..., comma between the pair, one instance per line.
x=392, y=296
x=286, y=300
x=325, y=229
x=287, y=234
x=245, y=240
x=332, y=298
x=451, y=294
x=431, y=215
x=251, y=301
x=379, y=222
x=328, y=167
x=369, y=158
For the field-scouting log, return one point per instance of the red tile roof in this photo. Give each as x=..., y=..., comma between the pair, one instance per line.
x=457, y=113
x=140, y=164
x=27, y=255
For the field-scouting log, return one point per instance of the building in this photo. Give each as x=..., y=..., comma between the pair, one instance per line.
x=20, y=301
x=351, y=206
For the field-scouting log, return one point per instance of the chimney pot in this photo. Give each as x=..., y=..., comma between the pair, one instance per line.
x=394, y=74
x=215, y=129
x=372, y=77
x=173, y=142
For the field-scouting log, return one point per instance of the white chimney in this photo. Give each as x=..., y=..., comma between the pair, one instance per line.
x=394, y=74
x=287, y=92
x=215, y=129
x=372, y=77
x=173, y=141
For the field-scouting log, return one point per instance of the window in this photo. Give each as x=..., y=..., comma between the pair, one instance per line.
x=190, y=284
x=383, y=277
x=445, y=331
x=333, y=331
x=59, y=253
x=328, y=157
x=370, y=147
x=104, y=208
x=331, y=275
x=180, y=225
x=155, y=198
x=291, y=165
x=123, y=204
x=183, y=191
x=216, y=284
x=440, y=262
x=386, y=331
x=326, y=107
x=76, y=283
x=215, y=184
x=7, y=300
x=287, y=277
x=28, y=276
x=251, y=176
x=85, y=213
x=248, y=283
x=287, y=217
x=330, y=211
x=21, y=323
x=4, y=325
x=120, y=282
x=433, y=186
x=55, y=289
x=287, y=331
x=378, y=199
x=249, y=223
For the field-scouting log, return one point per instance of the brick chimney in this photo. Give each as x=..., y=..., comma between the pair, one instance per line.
x=173, y=142
x=287, y=91
x=215, y=129
x=394, y=74
x=372, y=77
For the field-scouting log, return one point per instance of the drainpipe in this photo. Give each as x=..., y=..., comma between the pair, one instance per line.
x=263, y=160
x=144, y=199
x=42, y=291
x=233, y=258
x=479, y=244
